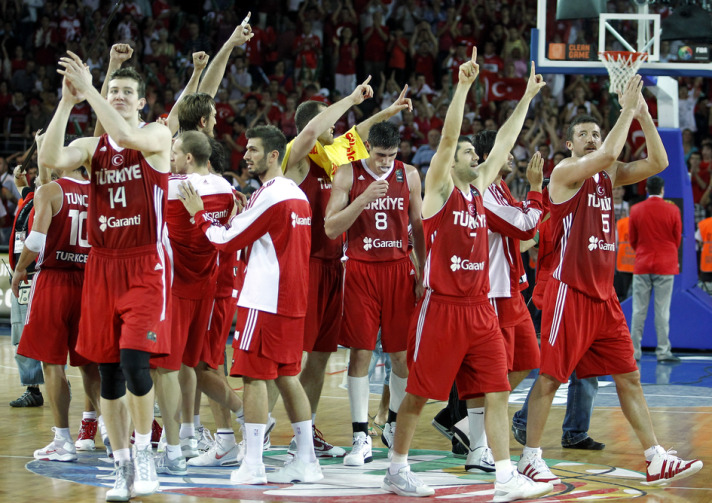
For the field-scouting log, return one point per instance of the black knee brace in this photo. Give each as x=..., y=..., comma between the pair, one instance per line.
x=137, y=372
x=113, y=384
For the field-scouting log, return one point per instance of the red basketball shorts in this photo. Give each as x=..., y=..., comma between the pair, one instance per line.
x=322, y=324
x=455, y=339
x=583, y=334
x=125, y=303
x=266, y=346
x=52, y=323
x=189, y=327
x=378, y=295
x=213, y=352
x=518, y=331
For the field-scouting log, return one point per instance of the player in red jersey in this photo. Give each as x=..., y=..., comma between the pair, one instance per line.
x=126, y=295
x=375, y=201
x=455, y=333
x=275, y=228
x=58, y=240
x=583, y=327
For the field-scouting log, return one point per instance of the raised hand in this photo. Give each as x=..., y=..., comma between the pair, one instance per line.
x=242, y=33
x=535, y=170
x=628, y=98
x=534, y=84
x=402, y=102
x=70, y=93
x=120, y=53
x=76, y=73
x=200, y=60
x=469, y=71
x=362, y=92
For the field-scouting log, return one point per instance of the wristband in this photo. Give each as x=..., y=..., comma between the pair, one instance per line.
x=35, y=241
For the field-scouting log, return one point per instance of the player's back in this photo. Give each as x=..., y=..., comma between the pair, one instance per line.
x=317, y=187
x=380, y=232
x=127, y=199
x=583, y=230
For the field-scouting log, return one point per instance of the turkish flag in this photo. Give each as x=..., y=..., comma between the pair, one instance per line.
x=502, y=89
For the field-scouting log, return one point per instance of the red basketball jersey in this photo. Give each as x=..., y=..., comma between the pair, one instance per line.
x=583, y=230
x=380, y=233
x=195, y=264
x=127, y=199
x=457, y=258
x=67, y=246
x=317, y=187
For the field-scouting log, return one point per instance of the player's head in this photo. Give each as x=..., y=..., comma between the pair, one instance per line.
x=306, y=112
x=265, y=150
x=583, y=135
x=655, y=186
x=382, y=145
x=466, y=160
x=197, y=113
x=191, y=150
x=484, y=143
x=127, y=92
x=219, y=162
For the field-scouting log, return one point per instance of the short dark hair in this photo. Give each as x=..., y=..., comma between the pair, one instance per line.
x=463, y=139
x=218, y=158
x=306, y=112
x=272, y=139
x=484, y=142
x=196, y=144
x=129, y=72
x=580, y=119
x=655, y=185
x=384, y=134
x=192, y=108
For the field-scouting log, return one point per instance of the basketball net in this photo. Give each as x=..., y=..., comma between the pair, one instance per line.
x=621, y=66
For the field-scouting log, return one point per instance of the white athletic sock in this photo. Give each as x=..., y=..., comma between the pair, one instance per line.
x=89, y=415
x=305, y=442
x=358, y=396
x=102, y=428
x=254, y=435
x=196, y=421
x=122, y=455
x=313, y=418
x=226, y=438
x=62, y=433
x=398, y=461
x=173, y=451
x=142, y=440
x=476, y=420
x=503, y=470
x=652, y=451
x=240, y=416
x=397, y=391
x=186, y=430
x=531, y=451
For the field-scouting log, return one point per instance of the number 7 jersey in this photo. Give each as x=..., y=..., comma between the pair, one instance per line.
x=380, y=232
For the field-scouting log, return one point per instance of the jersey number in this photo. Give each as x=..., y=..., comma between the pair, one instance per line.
x=606, y=220
x=118, y=197
x=77, y=233
x=381, y=221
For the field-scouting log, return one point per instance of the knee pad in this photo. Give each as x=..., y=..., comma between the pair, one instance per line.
x=137, y=371
x=113, y=384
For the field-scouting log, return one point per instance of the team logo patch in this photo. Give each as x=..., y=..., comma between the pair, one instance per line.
x=151, y=336
x=341, y=484
x=102, y=223
x=592, y=243
x=117, y=160
x=600, y=191
x=399, y=175
x=367, y=244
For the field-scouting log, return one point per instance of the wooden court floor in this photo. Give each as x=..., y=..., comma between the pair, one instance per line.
x=686, y=429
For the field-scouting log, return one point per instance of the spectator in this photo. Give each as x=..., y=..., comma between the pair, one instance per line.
x=236, y=141
x=375, y=44
x=686, y=105
x=345, y=53
x=197, y=41
x=36, y=119
x=398, y=49
x=307, y=50
x=70, y=26
x=423, y=51
x=425, y=153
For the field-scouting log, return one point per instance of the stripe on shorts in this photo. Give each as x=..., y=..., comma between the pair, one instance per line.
x=421, y=322
x=558, y=312
x=249, y=330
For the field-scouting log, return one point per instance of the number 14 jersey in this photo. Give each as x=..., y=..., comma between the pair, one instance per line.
x=380, y=232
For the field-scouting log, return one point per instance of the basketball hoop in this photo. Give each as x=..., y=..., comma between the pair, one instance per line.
x=621, y=66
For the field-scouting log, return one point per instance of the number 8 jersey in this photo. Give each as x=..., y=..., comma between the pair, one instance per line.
x=380, y=233
x=127, y=198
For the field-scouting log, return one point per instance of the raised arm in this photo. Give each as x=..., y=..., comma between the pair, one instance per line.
x=415, y=204
x=507, y=134
x=118, y=54
x=397, y=106
x=200, y=61
x=215, y=72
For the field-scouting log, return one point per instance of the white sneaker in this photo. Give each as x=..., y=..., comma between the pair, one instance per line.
x=145, y=478
x=162, y=442
x=189, y=447
x=535, y=468
x=217, y=455
x=249, y=475
x=123, y=484
x=480, y=460
x=296, y=470
x=520, y=487
x=389, y=433
x=59, y=449
x=322, y=448
x=205, y=439
x=87, y=432
x=406, y=483
x=666, y=467
x=360, y=450
x=171, y=466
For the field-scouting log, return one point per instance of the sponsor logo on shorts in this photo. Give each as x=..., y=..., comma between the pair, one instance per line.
x=77, y=258
x=598, y=244
x=297, y=220
x=457, y=263
x=369, y=243
x=114, y=223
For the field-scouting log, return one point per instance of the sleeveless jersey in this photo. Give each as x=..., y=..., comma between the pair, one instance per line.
x=67, y=244
x=457, y=255
x=380, y=232
x=584, y=238
x=195, y=263
x=317, y=187
x=127, y=198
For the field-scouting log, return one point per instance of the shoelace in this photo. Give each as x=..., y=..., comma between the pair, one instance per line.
x=143, y=461
x=205, y=435
x=121, y=475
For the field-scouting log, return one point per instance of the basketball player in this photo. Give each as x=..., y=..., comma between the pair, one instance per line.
x=271, y=305
x=583, y=327
x=456, y=333
x=58, y=240
x=126, y=297
x=375, y=201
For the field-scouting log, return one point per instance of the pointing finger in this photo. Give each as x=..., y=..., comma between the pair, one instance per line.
x=474, y=54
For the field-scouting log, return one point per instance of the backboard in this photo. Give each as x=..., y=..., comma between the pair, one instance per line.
x=571, y=46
